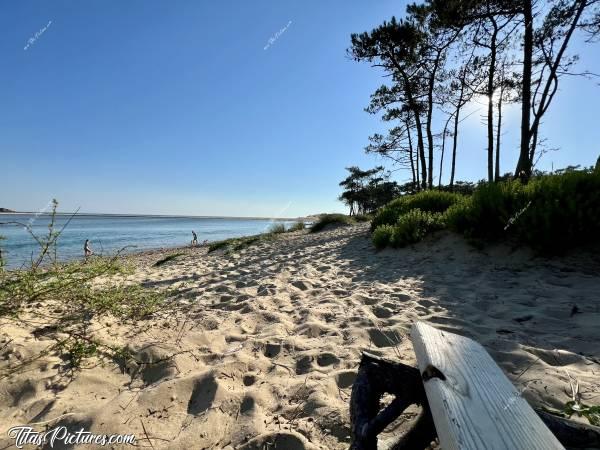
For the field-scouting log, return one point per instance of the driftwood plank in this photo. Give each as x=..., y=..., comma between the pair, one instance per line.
x=474, y=405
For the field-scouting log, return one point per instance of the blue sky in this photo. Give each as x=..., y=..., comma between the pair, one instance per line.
x=175, y=107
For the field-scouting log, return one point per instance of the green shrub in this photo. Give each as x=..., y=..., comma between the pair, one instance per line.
x=382, y=236
x=428, y=201
x=411, y=227
x=362, y=218
x=490, y=209
x=564, y=212
x=329, y=219
x=552, y=213
x=298, y=226
x=457, y=217
x=388, y=215
x=414, y=226
x=277, y=228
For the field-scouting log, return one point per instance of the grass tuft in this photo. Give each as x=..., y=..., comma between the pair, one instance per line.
x=277, y=228
x=298, y=226
x=330, y=219
x=77, y=293
x=236, y=244
x=167, y=258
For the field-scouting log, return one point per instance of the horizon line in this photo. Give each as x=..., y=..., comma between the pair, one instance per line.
x=60, y=213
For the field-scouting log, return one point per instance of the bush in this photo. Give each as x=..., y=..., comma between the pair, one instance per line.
x=414, y=226
x=298, y=226
x=428, y=201
x=277, y=228
x=411, y=227
x=488, y=211
x=551, y=213
x=564, y=211
x=362, y=218
x=382, y=236
x=457, y=217
x=330, y=219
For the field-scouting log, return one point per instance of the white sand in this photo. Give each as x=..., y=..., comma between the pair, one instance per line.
x=273, y=338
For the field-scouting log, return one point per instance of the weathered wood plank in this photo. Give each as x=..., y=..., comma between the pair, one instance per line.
x=474, y=405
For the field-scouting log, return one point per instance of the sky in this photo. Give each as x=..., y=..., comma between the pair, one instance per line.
x=228, y=108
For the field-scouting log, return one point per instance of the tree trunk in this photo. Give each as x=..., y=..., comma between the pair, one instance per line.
x=443, y=149
x=498, y=131
x=420, y=146
x=523, y=169
x=412, y=162
x=455, y=137
x=428, y=128
x=414, y=107
x=490, y=94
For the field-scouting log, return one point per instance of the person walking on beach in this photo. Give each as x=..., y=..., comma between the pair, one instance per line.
x=194, y=238
x=87, y=250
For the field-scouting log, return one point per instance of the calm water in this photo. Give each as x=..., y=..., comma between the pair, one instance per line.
x=109, y=234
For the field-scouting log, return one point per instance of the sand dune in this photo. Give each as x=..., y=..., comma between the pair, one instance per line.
x=268, y=348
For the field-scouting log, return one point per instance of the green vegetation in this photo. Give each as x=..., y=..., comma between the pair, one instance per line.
x=382, y=236
x=338, y=219
x=77, y=293
x=591, y=413
x=167, y=258
x=237, y=244
x=434, y=68
x=427, y=201
x=298, y=226
x=410, y=227
x=330, y=219
x=367, y=190
x=1, y=256
x=277, y=228
x=362, y=218
x=551, y=213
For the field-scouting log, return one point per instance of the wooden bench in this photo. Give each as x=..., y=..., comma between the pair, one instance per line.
x=467, y=401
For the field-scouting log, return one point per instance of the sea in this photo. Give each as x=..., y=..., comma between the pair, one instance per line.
x=109, y=234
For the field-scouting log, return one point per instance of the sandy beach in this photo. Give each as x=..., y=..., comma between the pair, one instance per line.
x=263, y=350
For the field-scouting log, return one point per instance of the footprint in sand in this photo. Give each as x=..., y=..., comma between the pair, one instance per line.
x=283, y=440
x=384, y=338
x=345, y=379
x=203, y=394
x=304, y=365
x=249, y=380
x=248, y=405
x=272, y=350
x=382, y=312
x=302, y=285
x=327, y=359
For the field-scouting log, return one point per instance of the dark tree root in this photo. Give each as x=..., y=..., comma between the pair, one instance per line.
x=377, y=376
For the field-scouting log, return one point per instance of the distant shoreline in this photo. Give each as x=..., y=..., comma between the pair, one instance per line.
x=62, y=214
